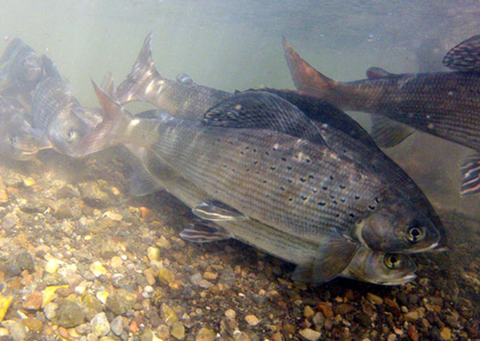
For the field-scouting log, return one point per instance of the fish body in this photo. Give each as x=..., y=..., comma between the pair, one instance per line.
x=18, y=140
x=366, y=265
x=444, y=104
x=57, y=113
x=21, y=68
x=181, y=98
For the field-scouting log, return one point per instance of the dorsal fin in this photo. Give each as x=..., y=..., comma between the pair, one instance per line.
x=262, y=110
x=50, y=68
x=377, y=72
x=465, y=56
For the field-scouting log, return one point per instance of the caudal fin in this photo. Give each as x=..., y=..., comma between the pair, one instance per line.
x=143, y=72
x=105, y=135
x=305, y=77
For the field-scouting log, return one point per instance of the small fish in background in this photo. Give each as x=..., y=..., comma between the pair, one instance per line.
x=444, y=104
x=21, y=69
x=181, y=98
x=18, y=140
x=301, y=187
x=57, y=112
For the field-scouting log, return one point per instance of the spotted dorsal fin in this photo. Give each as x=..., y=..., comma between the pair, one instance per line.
x=465, y=56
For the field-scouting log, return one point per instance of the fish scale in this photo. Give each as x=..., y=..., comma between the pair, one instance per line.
x=193, y=151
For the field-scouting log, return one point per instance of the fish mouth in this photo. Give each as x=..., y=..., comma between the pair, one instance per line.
x=401, y=280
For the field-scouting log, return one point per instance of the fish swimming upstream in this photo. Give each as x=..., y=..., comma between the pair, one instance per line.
x=298, y=186
x=444, y=104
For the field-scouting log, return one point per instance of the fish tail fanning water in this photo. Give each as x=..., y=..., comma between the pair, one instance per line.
x=115, y=119
x=305, y=76
x=143, y=72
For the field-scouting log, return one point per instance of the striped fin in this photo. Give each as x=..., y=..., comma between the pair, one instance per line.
x=204, y=233
x=387, y=133
x=465, y=56
x=214, y=210
x=471, y=175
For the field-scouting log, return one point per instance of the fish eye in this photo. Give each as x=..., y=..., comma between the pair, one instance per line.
x=415, y=234
x=12, y=140
x=392, y=261
x=72, y=134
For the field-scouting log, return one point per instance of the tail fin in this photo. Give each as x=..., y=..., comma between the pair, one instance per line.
x=305, y=77
x=115, y=119
x=143, y=72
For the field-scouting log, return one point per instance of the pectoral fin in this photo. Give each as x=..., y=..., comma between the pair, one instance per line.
x=465, y=56
x=204, y=232
x=388, y=134
x=471, y=175
x=333, y=256
x=214, y=210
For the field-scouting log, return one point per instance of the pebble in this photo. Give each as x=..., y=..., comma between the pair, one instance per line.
x=252, y=320
x=344, y=308
x=93, y=195
x=102, y=296
x=119, y=301
x=5, y=302
x=240, y=336
x=49, y=293
x=153, y=253
x=205, y=334
x=196, y=278
x=178, y=330
x=168, y=314
x=205, y=284
x=446, y=334
x=165, y=276
x=310, y=334
x=149, y=276
x=230, y=314
x=97, y=269
x=33, y=301
x=308, y=312
x=100, y=325
x=25, y=261
x=117, y=325
x=412, y=333
x=116, y=262
x=411, y=316
x=33, y=324
x=163, y=243
x=17, y=331
x=69, y=314
x=374, y=298
x=50, y=311
x=326, y=308
x=212, y=276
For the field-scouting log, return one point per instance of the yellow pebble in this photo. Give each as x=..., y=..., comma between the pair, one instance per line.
x=28, y=182
x=5, y=302
x=98, y=269
x=49, y=293
x=51, y=266
x=102, y=296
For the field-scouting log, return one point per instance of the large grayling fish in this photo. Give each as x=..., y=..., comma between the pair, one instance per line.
x=57, y=112
x=185, y=99
x=18, y=140
x=367, y=265
x=21, y=69
x=271, y=175
x=445, y=104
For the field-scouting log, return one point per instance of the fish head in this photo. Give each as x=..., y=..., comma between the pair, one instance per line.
x=19, y=141
x=381, y=268
x=397, y=227
x=67, y=130
x=21, y=69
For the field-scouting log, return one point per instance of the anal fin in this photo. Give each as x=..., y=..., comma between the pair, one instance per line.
x=388, y=134
x=471, y=175
x=204, y=232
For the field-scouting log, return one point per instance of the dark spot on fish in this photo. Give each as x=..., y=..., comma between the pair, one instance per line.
x=282, y=188
x=332, y=196
x=247, y=170
x=372, y=207
x=342, y=186
x=321, y=203
x=335, y=202
x=303, y=179
x=314, y=190
x=247, y=148
x=352, y=215
x=289, y=181
x=218, y=140
x=242, y=152
x=273, y=167
x=337, y=215
x=324, y=188
x=290, y=199
x=331, y=177
x=308, y=160
x=224, y=166
x=284, y=159
x=377, y=200
x=231, y=143
x=264, y=181
x=289, y=167
x=254, y=150
x=310, y=176
x=267, y=196
x=304, y=197
x=255, y=162
x=267, y=153
x=342, y=200
x=357, y=197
